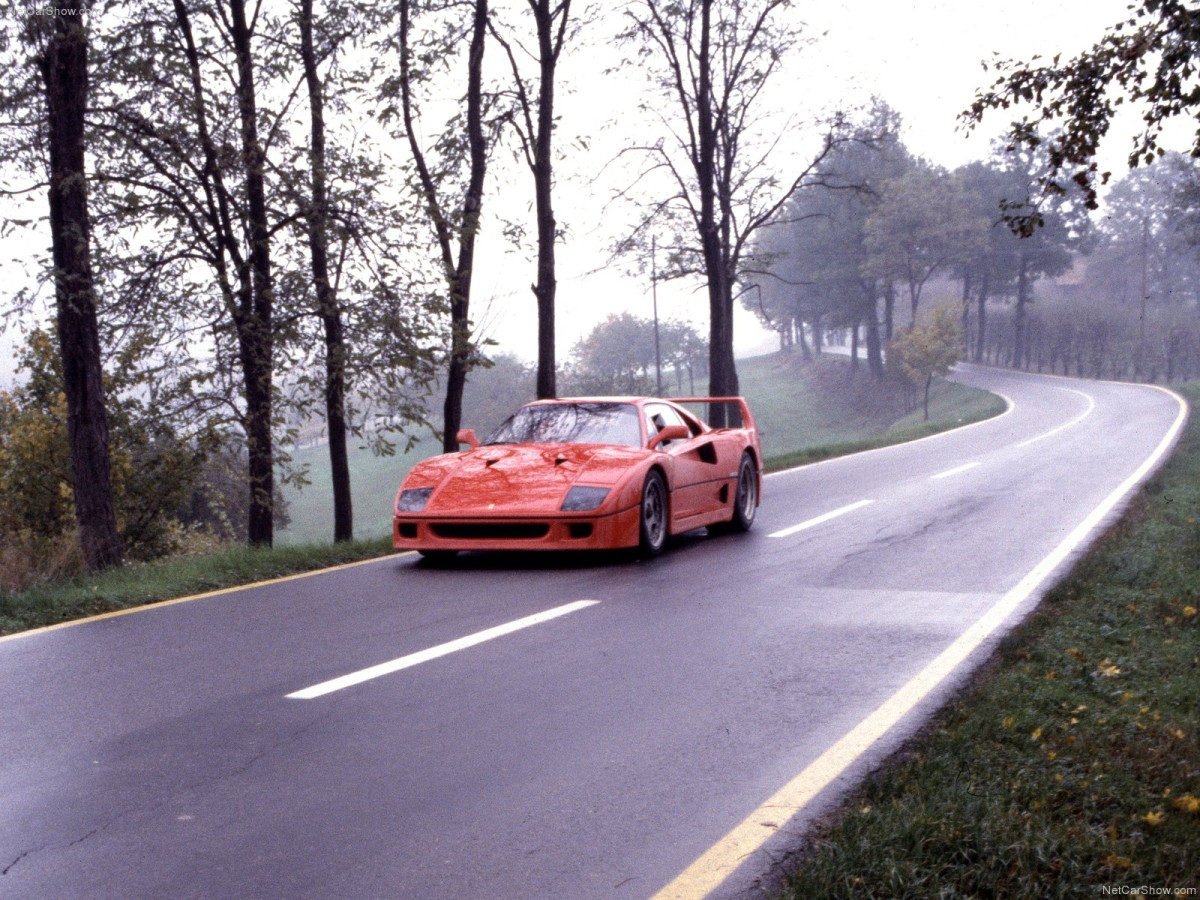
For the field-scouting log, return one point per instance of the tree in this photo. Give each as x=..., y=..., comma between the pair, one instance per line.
x=61, y=50
x=185, y=177
x=992, y=270
x=927, y=350
x=921, y=226
x=155, y=467
x=1148, y=60
x=255, y=334
x=1041, y=251
x=810, y=267
x=618, y=357
x=455, y=229
x=534, y=122
x=328, y=308
x=715, y=58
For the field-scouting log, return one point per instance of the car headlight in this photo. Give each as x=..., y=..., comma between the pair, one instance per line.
x=413, y=499
x=582, y=499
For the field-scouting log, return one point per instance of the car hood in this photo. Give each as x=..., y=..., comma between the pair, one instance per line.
x=519, y=479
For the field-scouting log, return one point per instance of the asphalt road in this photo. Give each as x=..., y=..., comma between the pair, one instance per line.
x=601, y=751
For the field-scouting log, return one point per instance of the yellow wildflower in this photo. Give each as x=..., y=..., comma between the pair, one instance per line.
x=1189, y=611
x=1187, y=803
x=1154, y=818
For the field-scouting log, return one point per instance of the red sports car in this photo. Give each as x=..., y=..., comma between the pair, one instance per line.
x=585, y=474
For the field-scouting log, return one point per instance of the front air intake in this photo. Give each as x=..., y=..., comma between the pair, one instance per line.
x=492, y=531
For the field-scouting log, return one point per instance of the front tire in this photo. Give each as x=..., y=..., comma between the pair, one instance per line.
x=653, y=516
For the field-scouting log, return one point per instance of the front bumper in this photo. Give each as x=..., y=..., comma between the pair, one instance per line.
x=562, y=532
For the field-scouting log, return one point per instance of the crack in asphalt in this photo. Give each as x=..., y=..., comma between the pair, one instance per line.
x=883, y=541
x=67, y=846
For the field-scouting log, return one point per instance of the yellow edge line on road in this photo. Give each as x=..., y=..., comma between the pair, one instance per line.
x=159, y=604
x=708, y=872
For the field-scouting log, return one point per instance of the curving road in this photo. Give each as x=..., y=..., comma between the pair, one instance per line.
x=554, y=727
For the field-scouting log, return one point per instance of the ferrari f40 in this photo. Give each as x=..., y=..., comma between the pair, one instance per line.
x=586, y=474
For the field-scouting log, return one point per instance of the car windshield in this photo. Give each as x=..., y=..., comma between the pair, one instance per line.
x=571, y=423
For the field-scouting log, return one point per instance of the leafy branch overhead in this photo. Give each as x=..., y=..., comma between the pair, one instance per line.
x=1147, y=62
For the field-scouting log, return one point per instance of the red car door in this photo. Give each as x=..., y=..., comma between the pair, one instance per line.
x=698, y=472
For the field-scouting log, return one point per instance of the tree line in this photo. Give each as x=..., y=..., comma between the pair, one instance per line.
x=1109, y=296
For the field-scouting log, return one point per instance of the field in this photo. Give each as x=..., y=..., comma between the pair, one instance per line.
x=803, y=410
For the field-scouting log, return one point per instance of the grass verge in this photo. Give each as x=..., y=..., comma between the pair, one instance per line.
x=141, y=584
x=1072, y=767
x=962, y=411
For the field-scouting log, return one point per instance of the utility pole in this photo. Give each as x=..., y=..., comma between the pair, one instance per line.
x=1141, y=352
x=654, y=295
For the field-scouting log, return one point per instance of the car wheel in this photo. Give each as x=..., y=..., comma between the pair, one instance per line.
x=654, y=508
x=745, y=500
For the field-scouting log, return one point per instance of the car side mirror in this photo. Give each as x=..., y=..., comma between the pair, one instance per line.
x=670, y=433
x=467, y=436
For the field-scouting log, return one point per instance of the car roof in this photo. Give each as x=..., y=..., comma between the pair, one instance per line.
x=553, y=400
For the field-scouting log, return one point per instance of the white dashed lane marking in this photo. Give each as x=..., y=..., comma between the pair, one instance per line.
x=415, y=659
x=820, y=520
x=958, y=470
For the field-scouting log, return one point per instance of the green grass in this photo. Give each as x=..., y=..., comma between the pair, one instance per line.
x=374, y=480
x=139, y=584
x=1072, y=767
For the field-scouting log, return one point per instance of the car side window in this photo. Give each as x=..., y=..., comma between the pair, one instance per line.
x=659, y=417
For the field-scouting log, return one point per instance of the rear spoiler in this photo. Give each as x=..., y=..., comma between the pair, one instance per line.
x=743, y=407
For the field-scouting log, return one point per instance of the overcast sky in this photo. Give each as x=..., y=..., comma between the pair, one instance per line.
x=923, y=57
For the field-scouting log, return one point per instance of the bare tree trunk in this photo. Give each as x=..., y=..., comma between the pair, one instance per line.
x=458, y=274
x=549, y=47
x=63, y=62
x=889, y=311
x=966, y=311
x=722, y=373
x=874, y=343
x=537, y=134
x=255, y=332
x=981, y=317
x=1019, y=320
x=327, y=304
x=460, y=350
